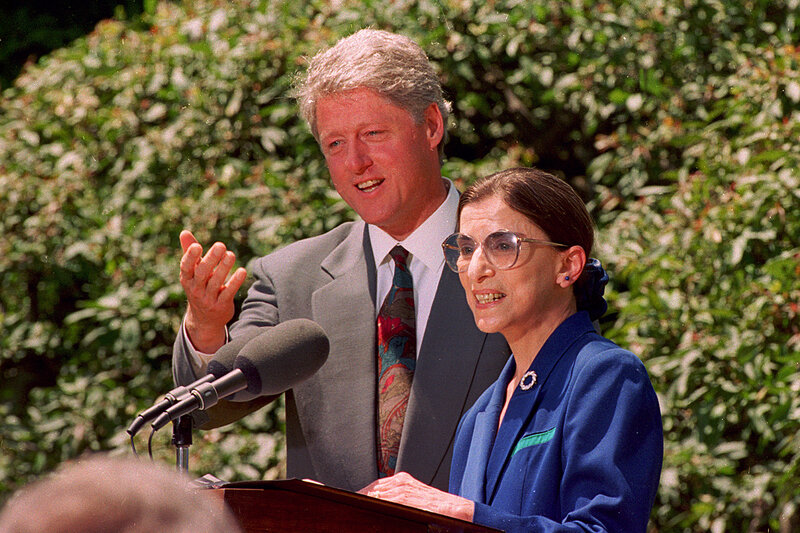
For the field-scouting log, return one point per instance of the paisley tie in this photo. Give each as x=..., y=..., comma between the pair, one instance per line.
x=397, y=352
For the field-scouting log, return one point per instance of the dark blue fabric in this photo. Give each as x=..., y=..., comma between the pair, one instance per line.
x=592, y=457
x=590, y=287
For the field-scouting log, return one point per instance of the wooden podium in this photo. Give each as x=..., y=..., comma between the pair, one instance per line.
x=293, y=505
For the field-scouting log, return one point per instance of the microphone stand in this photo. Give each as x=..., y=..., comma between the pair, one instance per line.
x=182, y=439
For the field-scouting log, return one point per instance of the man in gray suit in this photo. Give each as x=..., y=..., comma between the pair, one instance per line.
x=375, y=106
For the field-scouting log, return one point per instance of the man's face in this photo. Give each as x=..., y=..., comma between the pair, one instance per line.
x=382, y=163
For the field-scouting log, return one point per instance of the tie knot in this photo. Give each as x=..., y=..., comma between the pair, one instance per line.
x=399, y=254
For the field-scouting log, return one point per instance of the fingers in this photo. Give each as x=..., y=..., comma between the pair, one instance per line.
x=210, y=298
x=219, y=269
x=230, y=289
x=187, y=239
x=393, y=486
x=204, y=277
x=369, y=488
x=209, y=263
x=191, y=255
x=404, y=489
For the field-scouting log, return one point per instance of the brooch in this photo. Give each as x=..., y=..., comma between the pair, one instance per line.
x=528, y=380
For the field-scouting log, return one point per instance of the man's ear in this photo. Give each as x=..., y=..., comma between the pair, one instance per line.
x=573, y=259
x=434, y=125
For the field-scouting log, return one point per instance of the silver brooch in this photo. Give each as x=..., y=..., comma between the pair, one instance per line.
x=528, y=380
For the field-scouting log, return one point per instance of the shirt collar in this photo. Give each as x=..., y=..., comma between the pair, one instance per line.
x=424, y=242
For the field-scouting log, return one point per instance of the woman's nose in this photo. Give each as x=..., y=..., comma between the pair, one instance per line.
x=479, y=265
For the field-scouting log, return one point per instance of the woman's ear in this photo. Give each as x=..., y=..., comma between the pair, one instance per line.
x=573, y=260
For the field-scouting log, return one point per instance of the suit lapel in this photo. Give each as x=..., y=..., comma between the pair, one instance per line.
x=341, y=397
x=448, y=356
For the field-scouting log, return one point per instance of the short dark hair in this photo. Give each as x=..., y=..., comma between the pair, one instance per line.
x=544, y=199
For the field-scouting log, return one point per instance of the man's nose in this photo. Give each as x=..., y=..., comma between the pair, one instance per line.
x=358, y=159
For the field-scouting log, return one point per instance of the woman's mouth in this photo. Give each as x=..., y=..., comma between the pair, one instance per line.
x=487, y=298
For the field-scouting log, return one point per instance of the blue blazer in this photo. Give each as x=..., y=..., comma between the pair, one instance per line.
x=581, y=450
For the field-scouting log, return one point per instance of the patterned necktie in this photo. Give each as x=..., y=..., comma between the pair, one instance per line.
x=397, y=349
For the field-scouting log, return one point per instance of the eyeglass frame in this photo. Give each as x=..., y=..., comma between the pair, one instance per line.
x=519, y=240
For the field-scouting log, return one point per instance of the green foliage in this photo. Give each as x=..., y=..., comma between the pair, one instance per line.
x=678, y=120
x=707, y=272
x=110, y=147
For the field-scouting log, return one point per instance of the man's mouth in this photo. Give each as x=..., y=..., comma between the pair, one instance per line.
x=369, y=185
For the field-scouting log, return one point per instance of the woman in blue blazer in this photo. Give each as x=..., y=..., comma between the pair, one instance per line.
x=569, y=437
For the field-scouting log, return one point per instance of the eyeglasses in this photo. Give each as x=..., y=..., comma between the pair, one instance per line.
x=501, y=249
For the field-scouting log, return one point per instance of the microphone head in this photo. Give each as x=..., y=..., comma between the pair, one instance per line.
x=283, y=356
x=224, y=358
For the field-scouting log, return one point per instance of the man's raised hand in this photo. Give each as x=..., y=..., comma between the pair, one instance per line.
x=210, y=296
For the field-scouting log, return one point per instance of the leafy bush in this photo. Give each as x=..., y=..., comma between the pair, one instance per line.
x=678, y=120
x=110, y=147
x=707, y=285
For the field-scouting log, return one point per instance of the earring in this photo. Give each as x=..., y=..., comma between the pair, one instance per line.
x=566, y=278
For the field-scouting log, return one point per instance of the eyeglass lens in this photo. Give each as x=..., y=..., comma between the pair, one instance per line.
x=501, y=249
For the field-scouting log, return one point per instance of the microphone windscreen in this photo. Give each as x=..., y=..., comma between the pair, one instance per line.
x=283, y=356
x=224, y=358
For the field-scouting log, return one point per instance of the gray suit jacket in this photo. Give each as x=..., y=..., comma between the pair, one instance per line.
x=331, y=419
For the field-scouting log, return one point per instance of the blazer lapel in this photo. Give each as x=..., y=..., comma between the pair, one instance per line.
x=520, y=410
x=523, y=405
x=341, y=397
x=445, y=368
x=473, y=480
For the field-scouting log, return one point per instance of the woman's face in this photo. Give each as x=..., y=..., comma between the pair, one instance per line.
x=519, y=300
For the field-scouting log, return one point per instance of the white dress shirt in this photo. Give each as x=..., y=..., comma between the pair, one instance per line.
x=426, y=263
x=426, y=259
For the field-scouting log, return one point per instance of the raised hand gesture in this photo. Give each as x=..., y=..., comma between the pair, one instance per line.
x=209, y=290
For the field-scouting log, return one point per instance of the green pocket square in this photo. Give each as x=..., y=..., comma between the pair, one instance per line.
x=533, y=439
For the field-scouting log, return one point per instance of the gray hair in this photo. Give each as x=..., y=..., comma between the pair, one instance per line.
x=392, y=65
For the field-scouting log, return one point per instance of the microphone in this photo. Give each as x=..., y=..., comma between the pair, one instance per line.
x=274, y=361
x=221, y=364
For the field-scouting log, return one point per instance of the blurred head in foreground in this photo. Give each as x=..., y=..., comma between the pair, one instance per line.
x=101, y=494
